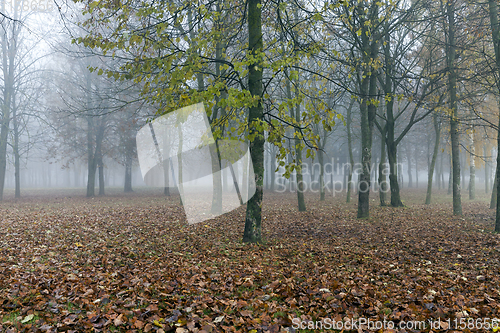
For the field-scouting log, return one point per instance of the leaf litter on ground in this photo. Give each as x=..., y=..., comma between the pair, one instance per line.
x=133, y=264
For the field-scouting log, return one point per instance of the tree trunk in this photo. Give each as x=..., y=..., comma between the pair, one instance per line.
x=408, y=158
x=349, y=148
x=9, y=51
x=463, y=162
x=486, y=175
x=298, y=173
x=437, y=131
x=495, y=33
x=321, y=174
x=472, y=179
x=253, y=218
x=214, y=148
x=180, y=186
x=91, y=160
x=493, y=201
x=390, y=127
x=298, y=151
x=76, y=174
x=450, y=177
x=273, y=168
x=416, y=167
x=101, y=175
x=452, y=89
x=368, y=112
x=440, y=172
x=382, y=179
x=15, y=148
x=128, y=167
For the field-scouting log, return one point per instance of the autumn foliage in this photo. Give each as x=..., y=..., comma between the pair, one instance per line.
x=130, y=263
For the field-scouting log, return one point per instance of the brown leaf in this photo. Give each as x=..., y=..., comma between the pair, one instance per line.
x=118, y=320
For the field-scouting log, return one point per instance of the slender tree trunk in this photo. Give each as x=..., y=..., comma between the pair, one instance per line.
x=166, y=176
x=214, y=151
x=463, y=163
x=180, y=186
x=416, y=167
x=486, y=174
x=253, y=218
x=437, y=130
x=313, y=174
x=382, y=179
x=298, y=173
x=321, y=174
x=452, y=89
x=91, y=160
x=493, y=201
x=298, y=151
x=9, y=50
x=400, y=171
x=15, y=148
x=128, y=167
x=273, y=168
x=408, y=158
x=78, y=174
x=349, y=148
x=440, y=172
x=472, y=180
x=450, y=178
x=101, y=176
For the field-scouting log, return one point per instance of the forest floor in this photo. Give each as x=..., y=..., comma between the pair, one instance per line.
x=131, y=263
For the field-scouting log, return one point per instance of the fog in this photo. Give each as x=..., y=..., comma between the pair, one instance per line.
x=67, y=124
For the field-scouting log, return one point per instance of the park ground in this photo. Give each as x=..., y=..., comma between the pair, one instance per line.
x=131, y=263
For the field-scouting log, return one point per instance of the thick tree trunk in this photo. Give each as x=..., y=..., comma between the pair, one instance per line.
x=253, y=218
x=390, y=128
x=393, y=175
x=452, y=89
x=495, y=33
x=368, y=112
x=437, y=131
x=364, y=177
